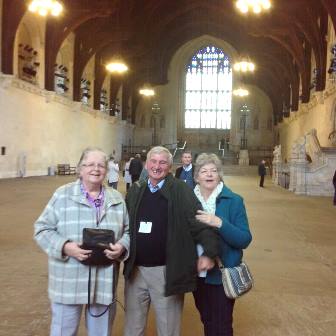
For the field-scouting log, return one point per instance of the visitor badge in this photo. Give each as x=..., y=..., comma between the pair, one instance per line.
x=145, y=227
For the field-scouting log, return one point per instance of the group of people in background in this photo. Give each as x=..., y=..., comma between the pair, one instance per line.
x=168, y=232
x=133, y=171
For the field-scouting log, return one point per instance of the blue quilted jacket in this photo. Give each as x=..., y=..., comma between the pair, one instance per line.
x=234, y=232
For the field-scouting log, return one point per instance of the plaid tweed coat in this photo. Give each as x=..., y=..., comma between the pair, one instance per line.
x=63, y=219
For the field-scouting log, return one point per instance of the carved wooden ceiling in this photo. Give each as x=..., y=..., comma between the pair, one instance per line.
x=147, y=33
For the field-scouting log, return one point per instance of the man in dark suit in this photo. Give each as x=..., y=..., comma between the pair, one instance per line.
x=135, y=168
x=186, y=171
x=262, y=173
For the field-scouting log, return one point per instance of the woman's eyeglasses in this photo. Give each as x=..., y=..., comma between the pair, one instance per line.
x=94, y=166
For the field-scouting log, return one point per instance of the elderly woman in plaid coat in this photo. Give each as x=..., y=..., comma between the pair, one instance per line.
x=85, y=203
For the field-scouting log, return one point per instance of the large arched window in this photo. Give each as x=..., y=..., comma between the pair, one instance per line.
x=208, y=90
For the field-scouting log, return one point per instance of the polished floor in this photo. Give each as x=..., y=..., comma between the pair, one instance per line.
x=292, y=256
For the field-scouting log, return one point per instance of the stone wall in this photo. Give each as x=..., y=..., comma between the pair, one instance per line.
x=43, y=129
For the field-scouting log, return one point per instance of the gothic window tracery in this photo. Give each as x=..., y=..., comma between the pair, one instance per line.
x=208, y=90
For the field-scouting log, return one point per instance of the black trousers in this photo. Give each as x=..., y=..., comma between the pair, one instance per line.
x=215, y=309
x=262, y=178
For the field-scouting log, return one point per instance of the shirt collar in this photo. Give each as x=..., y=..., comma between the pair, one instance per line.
x=187, y=168
x=153, y=188
x=98, y=202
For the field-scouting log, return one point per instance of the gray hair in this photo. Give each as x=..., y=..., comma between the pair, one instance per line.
x=88, y=150
x=187, y=152
x=208, y=158
x=161, y=150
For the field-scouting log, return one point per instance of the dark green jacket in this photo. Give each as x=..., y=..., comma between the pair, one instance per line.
x=184, y=232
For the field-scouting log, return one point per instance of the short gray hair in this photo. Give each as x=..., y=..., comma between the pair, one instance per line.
x=161, y=150
x=88, y=150
x=207, y=158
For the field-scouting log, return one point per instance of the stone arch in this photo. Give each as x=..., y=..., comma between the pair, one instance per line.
x=181, y=59
x=63, y=65
x=29, y=48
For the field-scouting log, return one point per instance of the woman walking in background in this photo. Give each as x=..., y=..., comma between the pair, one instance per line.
x=127, y=175
x=113, y=173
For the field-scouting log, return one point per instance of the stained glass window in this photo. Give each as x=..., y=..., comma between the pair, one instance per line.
x=208, y=90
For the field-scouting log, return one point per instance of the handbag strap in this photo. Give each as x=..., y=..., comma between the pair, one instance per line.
x=89, y=298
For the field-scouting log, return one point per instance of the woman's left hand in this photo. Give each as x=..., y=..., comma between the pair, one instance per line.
x=115, y=251
x=208, y=218
x=204, y=263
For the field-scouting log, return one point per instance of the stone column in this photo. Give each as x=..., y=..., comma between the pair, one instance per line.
x=301, y=168
x=244, y=157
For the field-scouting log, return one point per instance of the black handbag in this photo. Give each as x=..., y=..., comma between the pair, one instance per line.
x=97, y=240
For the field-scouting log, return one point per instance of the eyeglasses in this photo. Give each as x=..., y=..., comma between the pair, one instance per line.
x=94, y=166
x=208, y=171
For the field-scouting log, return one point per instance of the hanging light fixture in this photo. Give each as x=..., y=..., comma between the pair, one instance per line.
x=147, y=91
x=45, y=7
x=117, y=66
x=244, y=66
x=240, y=92
x=256, y=6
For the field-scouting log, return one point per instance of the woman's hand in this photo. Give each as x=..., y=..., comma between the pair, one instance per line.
x=208, y=219
x=115, y=251
x=73, y=249
x=204, y=263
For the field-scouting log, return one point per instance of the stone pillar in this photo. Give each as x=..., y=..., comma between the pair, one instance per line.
x=244, y=157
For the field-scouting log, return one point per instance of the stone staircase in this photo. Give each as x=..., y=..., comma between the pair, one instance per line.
x=230, y=162
x=236, y=170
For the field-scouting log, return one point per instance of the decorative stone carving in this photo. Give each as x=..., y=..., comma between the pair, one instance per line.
x=276, y=164
x=311, y=178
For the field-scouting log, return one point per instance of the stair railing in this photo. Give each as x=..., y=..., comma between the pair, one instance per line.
x=179, y=148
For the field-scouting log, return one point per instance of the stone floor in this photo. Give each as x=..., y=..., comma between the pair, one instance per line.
x=292, y=256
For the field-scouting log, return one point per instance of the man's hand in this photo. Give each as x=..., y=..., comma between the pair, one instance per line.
x=204, y=264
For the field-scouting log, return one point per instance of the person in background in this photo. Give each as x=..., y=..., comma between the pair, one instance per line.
x=85, y=203
x=144, y=174
x=163, y=262
x=135, y=168
x=262, y=173
x=127, y=175
x=186, y=171
x=113, y=173
x=225, y=211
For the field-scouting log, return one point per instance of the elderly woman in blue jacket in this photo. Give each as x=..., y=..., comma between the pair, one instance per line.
x=224, y=210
